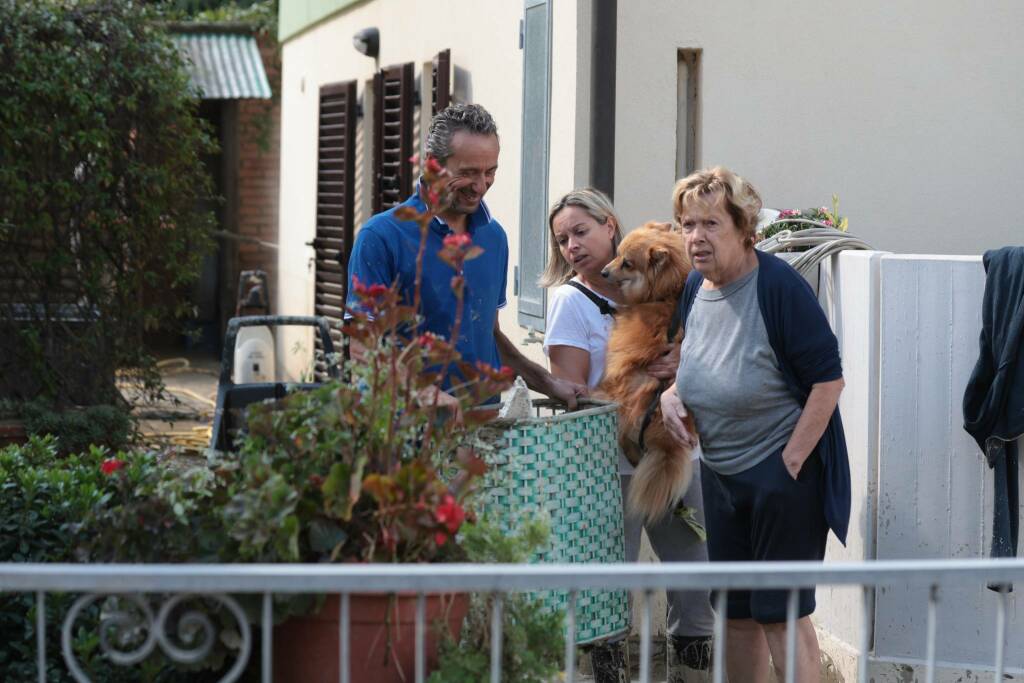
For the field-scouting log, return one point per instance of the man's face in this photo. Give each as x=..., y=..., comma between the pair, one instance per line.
x=471, y=169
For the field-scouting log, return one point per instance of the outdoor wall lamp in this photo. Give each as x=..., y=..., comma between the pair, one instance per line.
x=367, y=41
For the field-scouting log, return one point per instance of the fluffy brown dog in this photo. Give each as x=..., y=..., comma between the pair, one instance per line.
x=650, y=268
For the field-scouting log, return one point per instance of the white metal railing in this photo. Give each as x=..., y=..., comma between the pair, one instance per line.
x=220, y=581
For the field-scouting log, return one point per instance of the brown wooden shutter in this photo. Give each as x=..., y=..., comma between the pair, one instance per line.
x=441, y=82
x=335, y=191
x=394, y=94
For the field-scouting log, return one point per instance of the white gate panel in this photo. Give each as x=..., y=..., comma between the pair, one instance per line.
x=934, y=491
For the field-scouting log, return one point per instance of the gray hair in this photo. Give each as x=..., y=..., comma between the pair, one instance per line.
x=449, y=121
x=599, y=207
x=739, y=198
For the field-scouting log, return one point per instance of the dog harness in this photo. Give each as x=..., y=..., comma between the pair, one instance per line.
x=602, y=304
x=673, y=328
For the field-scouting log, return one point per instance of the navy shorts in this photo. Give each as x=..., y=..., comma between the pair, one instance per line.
x=764, y=514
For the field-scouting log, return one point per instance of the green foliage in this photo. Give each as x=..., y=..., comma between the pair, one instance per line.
x=533, y=643
x=313, y=483
x=260, y=14
x=814, y=217
x=101, y=184
x=77, y=429
x=43, y=499
x=94, y=506
x=486, y=542
x=155, y=513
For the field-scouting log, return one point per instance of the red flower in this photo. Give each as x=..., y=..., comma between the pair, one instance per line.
x=458, y=240
x=111, y=465
x=374, y=290
x=316, y=480
x=502, y=374
x=440, y=538
x=450, y=514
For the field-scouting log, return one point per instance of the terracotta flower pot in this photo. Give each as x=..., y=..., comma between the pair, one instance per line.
x=306, y=648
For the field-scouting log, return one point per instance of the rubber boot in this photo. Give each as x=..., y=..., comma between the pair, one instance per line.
x=610, y=663
x=689, y=659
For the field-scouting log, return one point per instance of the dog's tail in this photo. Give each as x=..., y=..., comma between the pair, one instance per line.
x=658, y=482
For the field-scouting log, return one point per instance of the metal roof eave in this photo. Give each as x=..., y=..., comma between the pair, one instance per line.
x=224, y=66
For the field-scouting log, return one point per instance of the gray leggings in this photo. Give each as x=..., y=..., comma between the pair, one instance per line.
x=689, y=612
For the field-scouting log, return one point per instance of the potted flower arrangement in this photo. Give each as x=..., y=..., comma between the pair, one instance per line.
x=369, y=468
x=795, y=220
x=807, y=237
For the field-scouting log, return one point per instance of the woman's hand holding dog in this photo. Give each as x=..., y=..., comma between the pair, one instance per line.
x=674, y=414
x=667, y=365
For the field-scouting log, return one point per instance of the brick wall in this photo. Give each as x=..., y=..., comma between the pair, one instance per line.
x=259, y=145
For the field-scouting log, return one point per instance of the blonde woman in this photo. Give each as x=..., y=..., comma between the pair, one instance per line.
x=583, y=235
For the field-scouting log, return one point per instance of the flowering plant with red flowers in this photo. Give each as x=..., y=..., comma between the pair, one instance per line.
x=111, y=465
x=373, y=467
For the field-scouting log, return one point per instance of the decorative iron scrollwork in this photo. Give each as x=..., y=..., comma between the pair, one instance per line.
x=129, y=632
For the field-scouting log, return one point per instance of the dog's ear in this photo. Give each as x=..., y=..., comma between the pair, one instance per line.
x=657, y=256
x=659, y=226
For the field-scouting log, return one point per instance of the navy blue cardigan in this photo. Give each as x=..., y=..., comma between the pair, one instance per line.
x=808, y=353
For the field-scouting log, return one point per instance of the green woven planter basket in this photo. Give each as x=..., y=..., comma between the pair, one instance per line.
x=567, y=464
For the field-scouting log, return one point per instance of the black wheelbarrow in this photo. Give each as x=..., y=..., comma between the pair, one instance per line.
x=233, y=399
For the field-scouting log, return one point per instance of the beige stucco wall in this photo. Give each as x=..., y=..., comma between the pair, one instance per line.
x=910, y=111
x=488, y=70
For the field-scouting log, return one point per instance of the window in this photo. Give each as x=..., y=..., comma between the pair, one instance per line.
x=533, y=208
x=394, y=98
x=688, y=116
x=335, y=191
x=441, y=81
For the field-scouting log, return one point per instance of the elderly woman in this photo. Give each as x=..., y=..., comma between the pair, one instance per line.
x=760, y=373
x=584, y=233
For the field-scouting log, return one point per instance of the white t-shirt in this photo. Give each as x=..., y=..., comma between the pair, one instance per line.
x=574, y=320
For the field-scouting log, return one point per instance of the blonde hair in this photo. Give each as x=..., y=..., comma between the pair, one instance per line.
x=599, y=207
x=741, y=201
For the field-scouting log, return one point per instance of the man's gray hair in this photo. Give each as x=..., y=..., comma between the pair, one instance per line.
x=446, y=123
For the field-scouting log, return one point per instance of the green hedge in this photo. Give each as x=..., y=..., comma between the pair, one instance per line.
x=51, y=508
x=101, y=195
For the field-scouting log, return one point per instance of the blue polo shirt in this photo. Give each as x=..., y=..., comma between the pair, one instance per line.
x=385, y=249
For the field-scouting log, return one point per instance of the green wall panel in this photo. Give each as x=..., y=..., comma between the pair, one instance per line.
x=295, y=16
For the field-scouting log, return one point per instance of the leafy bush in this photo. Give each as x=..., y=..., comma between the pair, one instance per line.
x=156, y=513
x=76, y=430
x=262, y=14
x=101, y=184
x=52, y=507
x=42, y=500
x=533, y=643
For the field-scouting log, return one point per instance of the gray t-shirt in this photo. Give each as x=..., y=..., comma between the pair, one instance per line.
x=729, y=379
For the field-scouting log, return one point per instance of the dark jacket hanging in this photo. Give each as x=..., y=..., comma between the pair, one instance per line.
x=994, y=398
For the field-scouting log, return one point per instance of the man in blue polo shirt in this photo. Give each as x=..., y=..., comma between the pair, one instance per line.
x=463, y=139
